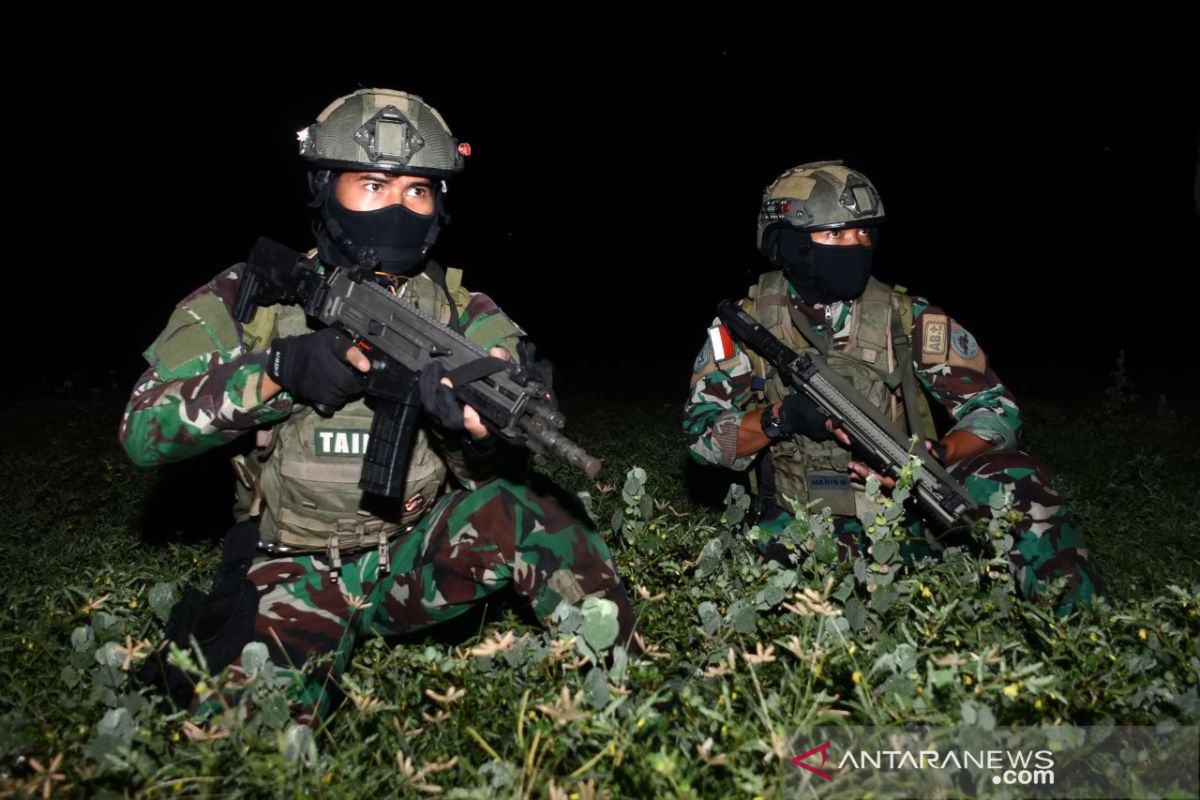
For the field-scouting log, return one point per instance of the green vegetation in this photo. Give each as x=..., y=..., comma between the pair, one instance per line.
x=739, y=655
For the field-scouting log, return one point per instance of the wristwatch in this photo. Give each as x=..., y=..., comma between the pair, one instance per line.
x=772, y=425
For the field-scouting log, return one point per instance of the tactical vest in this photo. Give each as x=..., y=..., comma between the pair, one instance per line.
x=302, y=478
x=806, y=470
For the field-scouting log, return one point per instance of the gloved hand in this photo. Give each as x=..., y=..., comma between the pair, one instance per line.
x=313, y=367
x=800, y=415
x=438, y=399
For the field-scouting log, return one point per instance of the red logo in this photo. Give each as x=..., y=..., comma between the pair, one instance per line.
x=823, y=750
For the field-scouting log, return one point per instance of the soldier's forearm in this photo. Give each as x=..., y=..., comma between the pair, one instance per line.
x=751, y=438
x=961, y=445
x=177, y=419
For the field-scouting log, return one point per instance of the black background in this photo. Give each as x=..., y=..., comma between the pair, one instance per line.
x=1047, y=202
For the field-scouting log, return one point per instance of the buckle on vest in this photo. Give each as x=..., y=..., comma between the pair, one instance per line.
x=385, y=556
x=335, y=558
x=275, y=549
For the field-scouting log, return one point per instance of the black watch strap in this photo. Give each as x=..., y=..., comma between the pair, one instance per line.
x=772, y=425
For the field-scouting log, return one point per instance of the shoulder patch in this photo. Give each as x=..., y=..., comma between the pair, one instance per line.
x=965, y=350
x=963, y=342
x=935, y=332
x=198, y=327
x=720, y=343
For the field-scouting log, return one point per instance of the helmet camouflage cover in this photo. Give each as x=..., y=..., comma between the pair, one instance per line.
x=822, y=195
x=382, y=129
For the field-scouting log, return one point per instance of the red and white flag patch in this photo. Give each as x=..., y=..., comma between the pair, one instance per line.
x=720, y=342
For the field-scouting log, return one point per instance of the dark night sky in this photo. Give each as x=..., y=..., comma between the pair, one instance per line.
x=611, y=198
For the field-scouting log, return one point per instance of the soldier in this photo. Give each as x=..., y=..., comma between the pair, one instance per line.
x=351, y=563
x=818, y=226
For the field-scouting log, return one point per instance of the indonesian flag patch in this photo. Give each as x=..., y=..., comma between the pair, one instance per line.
x=720, y=342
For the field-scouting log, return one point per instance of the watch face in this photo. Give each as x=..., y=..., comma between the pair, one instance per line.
x=771, y=424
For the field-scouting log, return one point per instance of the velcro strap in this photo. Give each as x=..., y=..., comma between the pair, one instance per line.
x=479, y=368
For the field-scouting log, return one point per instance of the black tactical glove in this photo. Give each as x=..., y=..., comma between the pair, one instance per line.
x=313, y=367
x=800, y=415
x=438, y=400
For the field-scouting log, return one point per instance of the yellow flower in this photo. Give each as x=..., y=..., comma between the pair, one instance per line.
x=733, y=695
x=926, y=593
x=1038, y=704
x=853, y=649
x=816, y=670
x=133, y=603
x=1094, y=637
x=1013, y=689
x=641, y=723
x=174, y=736
x=327, y=778
x=724, y=730
x=856, y=677
x=968, y=680
x=1143, y=635
x=201, y=688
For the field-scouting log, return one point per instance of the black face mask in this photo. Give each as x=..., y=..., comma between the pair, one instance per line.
x=822, y=273
x=841, y=272
x=397, y=236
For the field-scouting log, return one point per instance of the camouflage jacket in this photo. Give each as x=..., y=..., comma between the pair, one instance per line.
x=202, y=388
x=948, y=363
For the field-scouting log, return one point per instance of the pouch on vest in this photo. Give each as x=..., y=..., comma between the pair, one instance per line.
x=832, y=489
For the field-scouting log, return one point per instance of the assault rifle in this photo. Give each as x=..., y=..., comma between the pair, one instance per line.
x=513, y=401
x=882, y=443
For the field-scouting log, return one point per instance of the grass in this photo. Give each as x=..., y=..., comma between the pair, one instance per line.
x=741, y=655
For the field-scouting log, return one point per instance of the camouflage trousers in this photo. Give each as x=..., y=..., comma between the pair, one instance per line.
x=471, y=544
x=1047, y=542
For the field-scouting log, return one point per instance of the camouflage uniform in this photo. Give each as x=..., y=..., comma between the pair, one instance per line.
x=477, y=539
x=950, y=367
x=456, y=535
